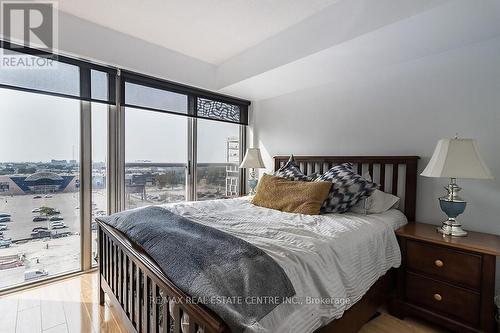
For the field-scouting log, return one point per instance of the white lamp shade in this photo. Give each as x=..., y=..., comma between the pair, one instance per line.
x=457, y=158
x=252, y=159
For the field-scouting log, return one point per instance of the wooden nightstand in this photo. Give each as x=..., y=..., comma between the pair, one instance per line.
x=449, y=281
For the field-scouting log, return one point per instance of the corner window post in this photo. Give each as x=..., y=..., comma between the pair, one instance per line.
x=85, y=170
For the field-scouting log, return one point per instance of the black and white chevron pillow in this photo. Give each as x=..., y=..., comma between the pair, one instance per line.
x=348, y=188
x=291, y=171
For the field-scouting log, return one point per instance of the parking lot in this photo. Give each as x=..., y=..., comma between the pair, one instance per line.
x=20, y=208
x=54, y=255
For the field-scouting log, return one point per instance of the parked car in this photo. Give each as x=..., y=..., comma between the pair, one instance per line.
x=4, y=215
x=40, y=234
x=3, y=227
x=48, y=196
x=36, y=210
x=39, y=218
x=56, y=218
x=35, y=274
x=35, y=229
x=5, y=219
x=58, y=226
x=61, y=234
x=5, y=242
x=37, y=197
x=99, y=213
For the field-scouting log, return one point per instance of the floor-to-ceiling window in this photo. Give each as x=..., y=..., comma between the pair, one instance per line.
x=78, y=141
x=155, y=158
x=155, y=145
x=217, y=168
x=39, y=176
x=99, y=92
x=44, y=220
x=99, y=169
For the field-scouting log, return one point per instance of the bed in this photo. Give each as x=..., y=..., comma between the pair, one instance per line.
x=134, y=282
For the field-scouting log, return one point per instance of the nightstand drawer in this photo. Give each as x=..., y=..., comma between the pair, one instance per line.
x=456, y=302
x=445, y=264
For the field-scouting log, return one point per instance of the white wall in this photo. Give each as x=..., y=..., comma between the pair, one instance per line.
x=400, y=110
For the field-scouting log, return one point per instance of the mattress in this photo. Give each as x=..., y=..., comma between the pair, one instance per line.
x=332, y=260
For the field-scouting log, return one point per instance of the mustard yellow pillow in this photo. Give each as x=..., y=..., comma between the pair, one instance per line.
x=291, y=196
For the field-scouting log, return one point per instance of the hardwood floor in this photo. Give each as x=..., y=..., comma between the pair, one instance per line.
x=72, y=305
x=386, y=323
x=66, y=306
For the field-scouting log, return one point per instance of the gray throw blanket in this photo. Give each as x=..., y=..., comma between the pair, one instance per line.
x=205, y=262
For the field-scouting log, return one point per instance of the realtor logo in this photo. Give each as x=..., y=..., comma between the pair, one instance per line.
x=30, y=24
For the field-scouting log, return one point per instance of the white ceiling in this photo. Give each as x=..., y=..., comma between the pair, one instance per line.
x=450, y=25
x=209, y=30
x=259, y=49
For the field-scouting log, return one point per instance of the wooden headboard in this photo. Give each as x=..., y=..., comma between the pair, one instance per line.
x=395, y=174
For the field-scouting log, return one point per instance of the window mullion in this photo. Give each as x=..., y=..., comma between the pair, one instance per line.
x=114, y=162
x=86, y=184
x=243, y=148
x=85, y=170
x=192, y=151
x=192, y=159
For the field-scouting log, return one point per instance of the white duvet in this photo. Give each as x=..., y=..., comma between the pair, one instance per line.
x=332, y=260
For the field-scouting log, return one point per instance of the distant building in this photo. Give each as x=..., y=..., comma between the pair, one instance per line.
x=98, y=180
x=39, y=182
x=4, y=186
x=58, y=162
x=232, y=167
x=135, y=183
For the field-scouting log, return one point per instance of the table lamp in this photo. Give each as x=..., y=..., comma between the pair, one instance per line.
x=252, y=161
x=455, y=158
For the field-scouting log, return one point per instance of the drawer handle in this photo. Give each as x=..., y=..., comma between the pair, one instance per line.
x=438, y=263
x=438, y=297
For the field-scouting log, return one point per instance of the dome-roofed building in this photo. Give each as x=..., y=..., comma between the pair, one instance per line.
x=43, y=176
x=45, y=182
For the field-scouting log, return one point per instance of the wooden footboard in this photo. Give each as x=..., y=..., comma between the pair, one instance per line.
x=148, y=300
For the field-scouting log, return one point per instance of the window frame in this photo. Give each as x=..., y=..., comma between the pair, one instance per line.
x=192, y=94
x=118, y=196
x=242, y=149
x=84, y=68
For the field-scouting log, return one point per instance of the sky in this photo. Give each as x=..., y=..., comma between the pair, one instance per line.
x=36, y=128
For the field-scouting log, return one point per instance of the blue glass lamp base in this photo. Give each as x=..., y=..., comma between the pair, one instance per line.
x=452, y=209
x=252, y=184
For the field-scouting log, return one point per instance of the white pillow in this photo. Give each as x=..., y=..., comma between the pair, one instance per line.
x=378, y=202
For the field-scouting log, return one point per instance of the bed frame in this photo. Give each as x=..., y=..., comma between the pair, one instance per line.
x=143, y=295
